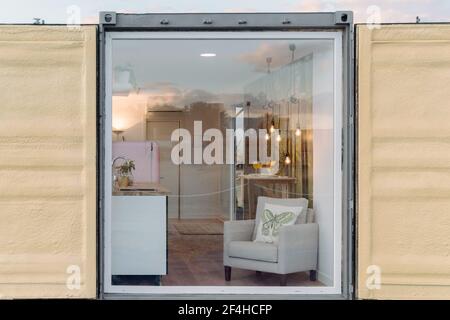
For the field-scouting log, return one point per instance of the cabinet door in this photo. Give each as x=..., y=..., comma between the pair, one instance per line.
x=403, y=224
x=139, y=236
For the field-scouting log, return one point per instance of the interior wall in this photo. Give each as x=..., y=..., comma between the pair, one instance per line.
x=403, y=162
x=323, y=159
x=203, y=187
x=129, y=115
x=48, y=162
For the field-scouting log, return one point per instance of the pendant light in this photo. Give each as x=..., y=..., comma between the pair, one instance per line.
x=287, y=159
x=291, y=100
x=278, y=137
x=267, y=136
x=298, y=131
x=272, y=123
x=287, y=156
x=272, y=127
x=279, y=123
x=294, y=98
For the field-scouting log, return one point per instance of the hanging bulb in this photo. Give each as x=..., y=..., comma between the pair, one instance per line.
x=287, y=160
x=267, y=136
x=272, y=127
x=298, y=132
x=278, y=137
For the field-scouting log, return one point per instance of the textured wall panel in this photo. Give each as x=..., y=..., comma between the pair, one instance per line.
x=404, y=160
x=47, y=161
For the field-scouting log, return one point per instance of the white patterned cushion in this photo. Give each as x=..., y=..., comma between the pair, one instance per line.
x=274, y=217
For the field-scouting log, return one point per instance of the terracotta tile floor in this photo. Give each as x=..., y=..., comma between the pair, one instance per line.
x=196, y=260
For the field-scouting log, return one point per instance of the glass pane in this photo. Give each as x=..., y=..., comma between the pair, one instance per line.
x=219, y=123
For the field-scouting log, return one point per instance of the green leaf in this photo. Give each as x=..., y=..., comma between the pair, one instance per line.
x=267, y=215
x=267, y=220
x=285, y=217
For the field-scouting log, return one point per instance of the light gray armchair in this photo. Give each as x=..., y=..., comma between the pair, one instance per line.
x=296, y=250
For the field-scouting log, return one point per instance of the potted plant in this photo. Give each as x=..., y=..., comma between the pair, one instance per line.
x=126, y=174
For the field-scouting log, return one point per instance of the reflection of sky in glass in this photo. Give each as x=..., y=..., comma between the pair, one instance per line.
x=177, y=64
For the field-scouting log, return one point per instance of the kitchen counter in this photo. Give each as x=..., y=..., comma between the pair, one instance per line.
x=139, y=234
x=142, y=189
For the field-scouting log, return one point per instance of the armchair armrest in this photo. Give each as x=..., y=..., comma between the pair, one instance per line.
x=297, y=247
x=241, y=230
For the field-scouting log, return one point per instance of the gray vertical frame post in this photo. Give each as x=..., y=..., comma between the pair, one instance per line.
x=101, y=160
x=348, y=163
x=314, y=21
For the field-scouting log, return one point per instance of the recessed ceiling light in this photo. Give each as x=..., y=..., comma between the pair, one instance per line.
x=207, y=55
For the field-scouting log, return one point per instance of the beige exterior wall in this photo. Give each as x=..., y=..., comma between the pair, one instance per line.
x=404, y=160
x=47, y=161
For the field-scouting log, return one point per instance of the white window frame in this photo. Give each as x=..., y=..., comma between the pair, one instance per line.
x=336, y=288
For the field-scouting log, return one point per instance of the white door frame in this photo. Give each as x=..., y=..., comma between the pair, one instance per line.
x=336, y=288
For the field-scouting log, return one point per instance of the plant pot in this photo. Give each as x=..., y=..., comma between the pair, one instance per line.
x=124, y=181
x=130, y=180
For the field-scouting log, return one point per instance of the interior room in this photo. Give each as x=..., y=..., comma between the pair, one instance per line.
x=223, y=162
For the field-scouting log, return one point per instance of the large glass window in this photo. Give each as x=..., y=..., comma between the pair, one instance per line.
x=223, y=162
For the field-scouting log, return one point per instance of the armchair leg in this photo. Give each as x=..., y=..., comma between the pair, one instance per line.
x=313, y=275
x=283, y=280
x=227, y=273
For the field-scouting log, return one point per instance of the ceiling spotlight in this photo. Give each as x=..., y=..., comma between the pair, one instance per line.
x=207, y=55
